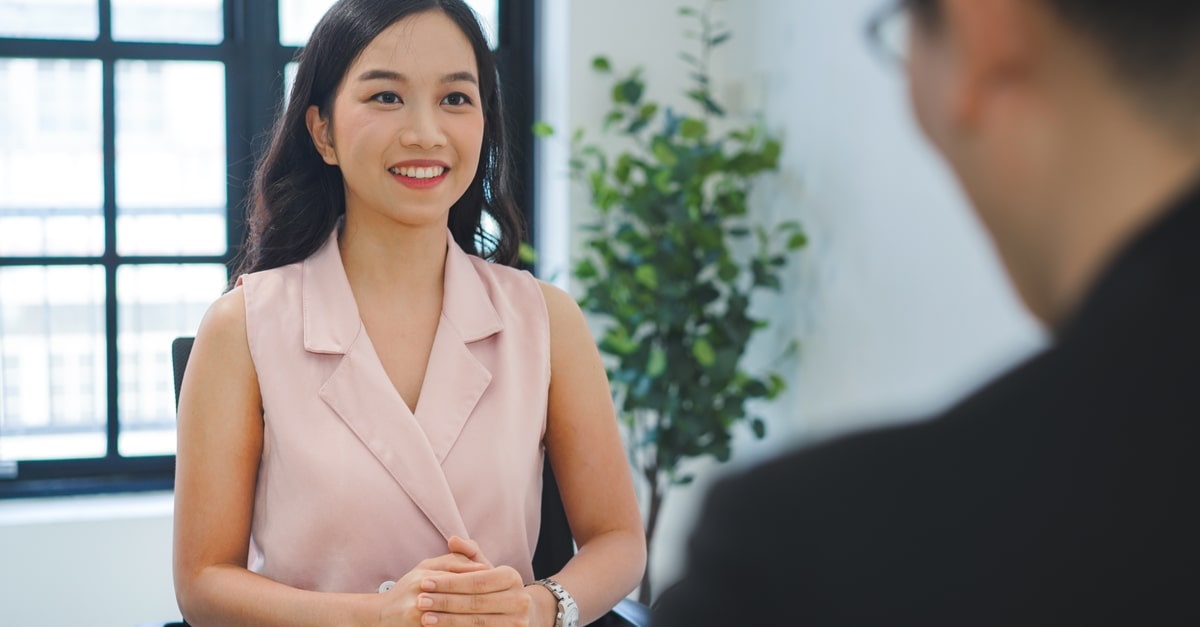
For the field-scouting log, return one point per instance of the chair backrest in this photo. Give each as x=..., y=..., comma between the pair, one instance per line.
x=555, y=545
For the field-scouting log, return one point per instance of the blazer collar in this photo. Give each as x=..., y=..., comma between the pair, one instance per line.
x=331, y=318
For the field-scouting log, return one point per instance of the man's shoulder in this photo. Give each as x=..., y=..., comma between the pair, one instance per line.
x=885, y=472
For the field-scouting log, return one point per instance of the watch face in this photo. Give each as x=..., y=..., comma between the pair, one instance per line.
x=571, y=617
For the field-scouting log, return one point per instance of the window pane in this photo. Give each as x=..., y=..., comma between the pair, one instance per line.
x=170, y=157
x=297, y=18
x=49, y=19
x=52, y=363
x=289, y=79
x=51, y=158
x=158, y=303
x=488, y=12
x=185, y=21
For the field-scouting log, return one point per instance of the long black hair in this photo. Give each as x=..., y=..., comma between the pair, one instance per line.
x=296, y=198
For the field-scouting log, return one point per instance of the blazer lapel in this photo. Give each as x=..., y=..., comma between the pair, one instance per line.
x=455, y=379
x=361, y=394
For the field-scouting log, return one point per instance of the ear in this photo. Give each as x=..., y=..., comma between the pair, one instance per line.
x=322, y=134
x=996, y=46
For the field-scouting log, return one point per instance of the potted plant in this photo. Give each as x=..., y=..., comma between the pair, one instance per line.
x=671, y=267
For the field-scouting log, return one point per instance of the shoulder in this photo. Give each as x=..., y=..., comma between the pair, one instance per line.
x=226, y=316
x=222, y=345
x=506, y=283
x=561, y=307
x=265, y=279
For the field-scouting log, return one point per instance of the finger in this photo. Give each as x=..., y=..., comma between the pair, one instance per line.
x=481, y=582
x=513, y=602
x=469, y=548
x=429, y=619
x=452, y=563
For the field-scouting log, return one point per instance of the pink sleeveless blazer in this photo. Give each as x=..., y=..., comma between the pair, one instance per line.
x=353, y=488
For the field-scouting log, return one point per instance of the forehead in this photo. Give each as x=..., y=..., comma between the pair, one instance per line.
x=424, y=44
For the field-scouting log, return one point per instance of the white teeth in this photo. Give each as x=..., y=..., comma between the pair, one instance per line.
x=418, y=173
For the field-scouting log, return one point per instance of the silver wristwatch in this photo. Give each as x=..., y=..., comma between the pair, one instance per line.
x=568, y=611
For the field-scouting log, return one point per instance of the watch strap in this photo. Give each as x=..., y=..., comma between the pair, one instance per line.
x=565, y=601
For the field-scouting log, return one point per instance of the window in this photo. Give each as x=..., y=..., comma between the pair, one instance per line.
x=125, y=146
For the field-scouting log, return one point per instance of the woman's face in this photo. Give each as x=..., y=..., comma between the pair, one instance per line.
x=407, y=123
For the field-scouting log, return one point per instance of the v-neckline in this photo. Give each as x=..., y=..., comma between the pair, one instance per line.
x=423, y=389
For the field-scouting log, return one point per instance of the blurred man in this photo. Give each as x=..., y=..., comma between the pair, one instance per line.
x=1065, y=492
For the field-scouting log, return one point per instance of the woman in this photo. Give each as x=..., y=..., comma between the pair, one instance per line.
x=362, y=421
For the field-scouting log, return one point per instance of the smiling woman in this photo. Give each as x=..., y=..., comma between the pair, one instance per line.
x=389, y=388
x=411, y=101
x=155, y=104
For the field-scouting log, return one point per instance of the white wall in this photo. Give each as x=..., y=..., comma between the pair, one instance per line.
x=86, y=561
x=899, y=303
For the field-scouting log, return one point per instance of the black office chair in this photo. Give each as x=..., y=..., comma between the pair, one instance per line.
x=555, y=545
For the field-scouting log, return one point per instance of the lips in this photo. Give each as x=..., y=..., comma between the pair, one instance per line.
x=419, y=174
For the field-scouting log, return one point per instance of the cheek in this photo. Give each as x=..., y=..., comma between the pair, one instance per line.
x=469, y=137
x=922, y=90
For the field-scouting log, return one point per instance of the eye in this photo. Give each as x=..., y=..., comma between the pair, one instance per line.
x=457, y=99
x=387, y=98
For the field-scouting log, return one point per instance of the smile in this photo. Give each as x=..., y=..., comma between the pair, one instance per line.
x=418, y=173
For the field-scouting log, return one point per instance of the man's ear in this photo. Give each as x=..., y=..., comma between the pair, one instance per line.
x=996, y=48
x=321, y=133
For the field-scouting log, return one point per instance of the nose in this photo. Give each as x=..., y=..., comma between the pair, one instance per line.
x=422, y=129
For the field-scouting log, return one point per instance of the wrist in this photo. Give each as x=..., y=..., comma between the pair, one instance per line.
x=545, y=605
x=369, y=612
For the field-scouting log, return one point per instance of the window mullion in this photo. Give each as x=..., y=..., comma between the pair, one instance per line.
x=108, y=103
x=105, y=9
x=110, y=260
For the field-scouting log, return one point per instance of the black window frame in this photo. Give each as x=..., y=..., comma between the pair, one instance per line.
x=254, y=62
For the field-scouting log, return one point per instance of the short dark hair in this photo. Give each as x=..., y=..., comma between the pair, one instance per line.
x=1152, y=46
x=296, y=198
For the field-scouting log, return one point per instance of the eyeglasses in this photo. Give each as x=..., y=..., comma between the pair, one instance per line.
x=888, y=31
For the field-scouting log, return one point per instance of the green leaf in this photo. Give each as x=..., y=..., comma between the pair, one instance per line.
x=612, y=118
x=542, y=129
x=703, y=351
x=664, y=153
x=621, y=170
x=628, y=91
x=647, y=275
x=662, y=180
x=702, y=97
x=771, y=151
x=720, y=39
x=617, y=341
x=727, y=272
x=586, y=270
x=692, y=128
x=688, y=11
x=776, y=386
x=712, y=107
x=601, y=64
x=527, y=254
x=797, y=241
x=759, y=427
x=756, y=389
x=656, y=365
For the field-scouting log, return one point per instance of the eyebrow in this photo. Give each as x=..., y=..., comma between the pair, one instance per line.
x=389, y=75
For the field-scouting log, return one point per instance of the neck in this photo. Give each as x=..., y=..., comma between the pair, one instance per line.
x=1116, y=181
x=404, y=261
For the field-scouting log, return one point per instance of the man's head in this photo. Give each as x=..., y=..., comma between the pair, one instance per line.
x=1151, y=47
x=1049, y=109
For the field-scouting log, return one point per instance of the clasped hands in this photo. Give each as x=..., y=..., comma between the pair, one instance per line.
x=461, y=588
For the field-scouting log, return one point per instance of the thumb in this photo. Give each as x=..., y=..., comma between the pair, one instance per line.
x=467, y=548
